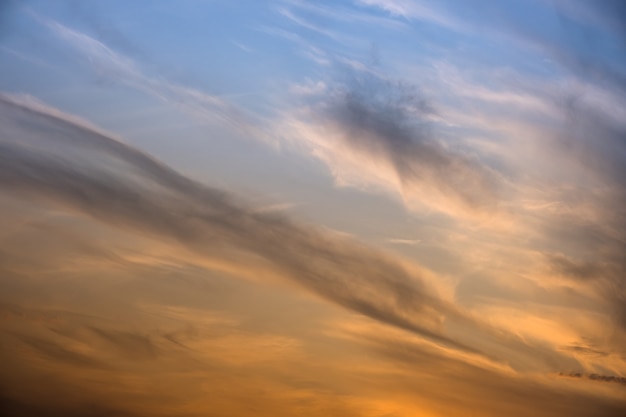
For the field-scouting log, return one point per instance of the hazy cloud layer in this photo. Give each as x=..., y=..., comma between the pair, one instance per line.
x=89, y=173
x=497, y=129
x=206, y=220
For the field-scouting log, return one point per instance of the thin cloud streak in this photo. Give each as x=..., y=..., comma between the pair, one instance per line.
x=124, y=70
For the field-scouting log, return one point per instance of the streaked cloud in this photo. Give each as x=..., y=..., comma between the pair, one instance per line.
x=123, y=69
x=207, y=220
x=429, y=218
x=403, y=241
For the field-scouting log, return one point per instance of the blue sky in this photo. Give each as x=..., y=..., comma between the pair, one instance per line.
x=426, y=198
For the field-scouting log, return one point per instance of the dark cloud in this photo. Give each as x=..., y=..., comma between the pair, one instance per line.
x=389, y=122
x=122, y=186
x=586, y=350
x=596, y=377
x=16, y=407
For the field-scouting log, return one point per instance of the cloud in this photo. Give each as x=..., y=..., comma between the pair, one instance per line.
x=493, y=343
x=595, y=138
x=580, y=270
x=594, y=142
x=208, y=363
x=59, y=353
x=344, y=14
x=409, y=9
x=17, y=407
x=603, y=14
x=450, y=385
x=123, y=69
x=297, y=20
x=121, y=186
x=132, y=345
x=562, y=35
x=377, y=131
x=614, y=11
x=596, y=377
x=408, y=242
x=586, y=350
x=104, y=28
x=604, y=275
x=59, y=160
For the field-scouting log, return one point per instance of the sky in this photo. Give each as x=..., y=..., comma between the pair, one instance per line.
x=376, y=208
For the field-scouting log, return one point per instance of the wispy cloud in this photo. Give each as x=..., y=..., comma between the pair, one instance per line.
x=409, y=242
x=32, y=59
x=207, y=220
x=120, y=186
x=337, y=37
x=410, y=9
x=596, y=377
x=498, y=128
x=123, y=69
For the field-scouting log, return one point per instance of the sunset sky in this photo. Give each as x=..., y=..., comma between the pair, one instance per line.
x=357, y=208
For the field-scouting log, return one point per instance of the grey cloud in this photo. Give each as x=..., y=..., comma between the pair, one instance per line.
x=586, y=350
x=607, y=378
x=132, y=190
x=596, y=377
x=388, y=121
